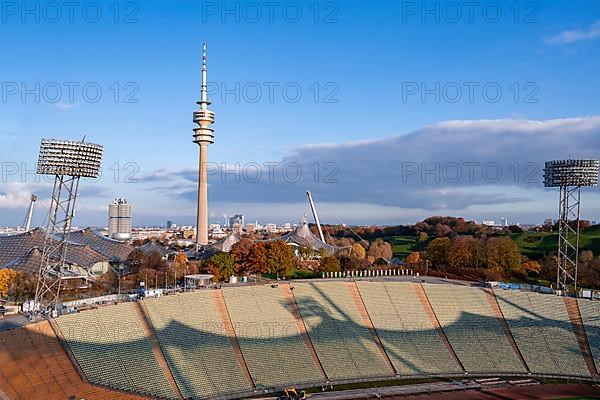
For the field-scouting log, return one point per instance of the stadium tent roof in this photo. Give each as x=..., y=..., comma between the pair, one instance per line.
x=302, y=236
x=23, y=252
x=115, y=250
x=226, y=243
x=152, y=245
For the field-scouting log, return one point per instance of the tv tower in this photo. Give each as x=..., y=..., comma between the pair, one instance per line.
x=203, y=136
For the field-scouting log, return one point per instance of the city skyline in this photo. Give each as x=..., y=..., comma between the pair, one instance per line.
x=371, y=150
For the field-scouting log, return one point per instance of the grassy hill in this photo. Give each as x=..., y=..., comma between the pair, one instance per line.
x=536, y=245
x=532, y=244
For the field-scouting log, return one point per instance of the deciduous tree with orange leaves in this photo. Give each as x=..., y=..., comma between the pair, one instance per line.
x=7, y=279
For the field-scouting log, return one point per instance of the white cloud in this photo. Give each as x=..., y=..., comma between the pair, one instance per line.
x=17, y=195
x=65, y=106
x=578, y=35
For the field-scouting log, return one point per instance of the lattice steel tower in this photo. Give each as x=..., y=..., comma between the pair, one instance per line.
x=67, y=161
x=569, y=176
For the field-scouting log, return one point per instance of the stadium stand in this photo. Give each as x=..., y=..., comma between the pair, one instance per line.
x=542, y=330
x=409, y=337
x=269, y=338
x=472, y=329
x=112, y=350
x=590, y=316
x=33, y=366
x=196, y=346
x=343, y=343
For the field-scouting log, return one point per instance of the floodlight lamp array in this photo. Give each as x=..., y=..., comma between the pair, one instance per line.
x=562, y=173
x=69, y=158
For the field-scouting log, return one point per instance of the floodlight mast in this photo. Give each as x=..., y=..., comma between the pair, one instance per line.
x=569, y=176
x=67, y=161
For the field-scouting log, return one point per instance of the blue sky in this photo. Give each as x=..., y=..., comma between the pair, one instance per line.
x=362, y=70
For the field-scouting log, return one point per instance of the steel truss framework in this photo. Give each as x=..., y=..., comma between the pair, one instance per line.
x=568, y=237
x=54, y=255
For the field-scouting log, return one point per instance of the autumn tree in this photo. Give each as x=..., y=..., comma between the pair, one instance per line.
x=136, y=260
x=358, y=251
x=413, y=258
x=24, y=286
x=7, y=280
x=503, y=255
x=221, y=265
x=437, y=251
x=180, y=265
x=380, y=249
x=257, y=258
x=241, y=254
x=149, y=276
x=459, y=255
x=532, y=267
x=155, y=261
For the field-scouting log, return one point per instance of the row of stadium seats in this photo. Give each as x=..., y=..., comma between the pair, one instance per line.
x=409, y=337
x=543, y=332
x=472, y=329
x=269, y=338
x=195, y=345
x=343, y=343
x=112, y=350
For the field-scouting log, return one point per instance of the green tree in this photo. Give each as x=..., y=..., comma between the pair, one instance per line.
x=329, y=264
x=280, y=258
x=221, y=265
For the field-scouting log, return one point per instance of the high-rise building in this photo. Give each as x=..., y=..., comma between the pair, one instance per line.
x=119, y=220
x=169, y=224
x=236, y=219
x=203, y=136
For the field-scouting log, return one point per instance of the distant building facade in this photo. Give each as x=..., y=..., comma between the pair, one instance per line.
x=119, y=220
x=236, y=219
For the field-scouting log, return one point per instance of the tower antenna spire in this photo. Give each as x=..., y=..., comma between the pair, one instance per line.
x=204, y=96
